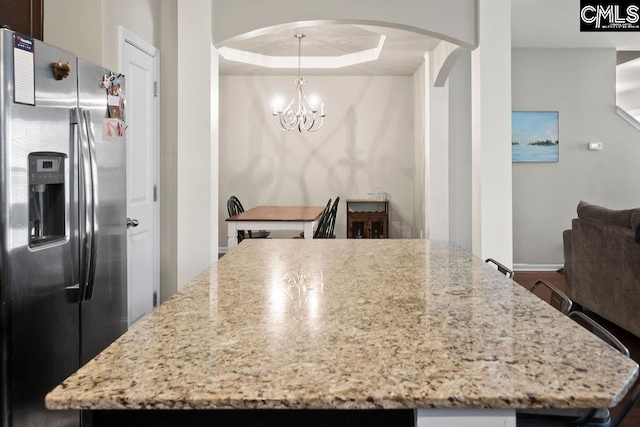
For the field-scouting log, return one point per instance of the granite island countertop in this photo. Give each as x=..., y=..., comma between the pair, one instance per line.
x=353, y=324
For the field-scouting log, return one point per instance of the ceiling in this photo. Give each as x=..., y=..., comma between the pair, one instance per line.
x=401, y=54
x=535, y=24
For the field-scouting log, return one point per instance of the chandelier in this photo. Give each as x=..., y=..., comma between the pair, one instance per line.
x=299, y=114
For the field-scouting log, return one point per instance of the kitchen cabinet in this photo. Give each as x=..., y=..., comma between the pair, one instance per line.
x=367, y=219
x=23, y=16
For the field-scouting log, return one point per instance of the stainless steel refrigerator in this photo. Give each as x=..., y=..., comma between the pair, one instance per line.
x=62, y=224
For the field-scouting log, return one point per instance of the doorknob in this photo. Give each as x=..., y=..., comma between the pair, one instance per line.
x=132, y=223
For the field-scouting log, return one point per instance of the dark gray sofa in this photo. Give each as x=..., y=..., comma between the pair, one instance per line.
x=602, y=263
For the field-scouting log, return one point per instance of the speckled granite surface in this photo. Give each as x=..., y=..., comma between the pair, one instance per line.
x=350, y=324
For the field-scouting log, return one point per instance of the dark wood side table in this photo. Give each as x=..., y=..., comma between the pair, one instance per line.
x=367, y=219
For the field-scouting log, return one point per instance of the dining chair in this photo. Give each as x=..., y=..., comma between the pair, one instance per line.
x=332, y=220
x=322, y=222
x=325, y=229
x=327, y=221
x=599, y=331
x=551, y=294
x=234, y=207
x=500, y=267
x=321, y=225
x=590, y=417
x=609, y=338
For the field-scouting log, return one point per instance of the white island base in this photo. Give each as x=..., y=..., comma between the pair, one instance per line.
x=465, y=417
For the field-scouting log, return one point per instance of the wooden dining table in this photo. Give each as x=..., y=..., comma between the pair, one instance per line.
x=274, y=218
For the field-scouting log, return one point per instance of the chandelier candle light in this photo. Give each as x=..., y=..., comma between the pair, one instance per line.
x=305, y=116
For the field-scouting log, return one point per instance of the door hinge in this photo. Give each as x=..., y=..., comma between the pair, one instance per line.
x=155, y=299
x=155, y=193
x=155, y=89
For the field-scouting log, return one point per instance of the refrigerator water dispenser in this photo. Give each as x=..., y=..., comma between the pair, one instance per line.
x=46, y=198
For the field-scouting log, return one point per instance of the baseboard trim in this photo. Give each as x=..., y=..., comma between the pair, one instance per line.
x=537, y=267
x=223, y=249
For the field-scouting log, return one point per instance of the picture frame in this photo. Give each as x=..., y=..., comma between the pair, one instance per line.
x=535, y=137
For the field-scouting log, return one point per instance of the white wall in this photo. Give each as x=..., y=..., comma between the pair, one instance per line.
x=442, y=160
x=452, y=20
x=492, y=230
x=366, y=141
x=197, y=71
x=169, y=150
x=76, y=26
x=420, y=211
x=580, y=85
x=89, y=28
x=141, y=17
x=460, y=151
x=437, y=148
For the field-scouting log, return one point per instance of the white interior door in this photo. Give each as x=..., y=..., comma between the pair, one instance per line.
x=140, y=68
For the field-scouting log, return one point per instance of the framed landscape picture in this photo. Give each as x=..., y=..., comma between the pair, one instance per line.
x=534, y=136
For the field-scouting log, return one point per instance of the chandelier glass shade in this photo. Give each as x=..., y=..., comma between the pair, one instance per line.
x=300, y=114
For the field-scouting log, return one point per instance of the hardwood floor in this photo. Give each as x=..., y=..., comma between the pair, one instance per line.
x=527, y=278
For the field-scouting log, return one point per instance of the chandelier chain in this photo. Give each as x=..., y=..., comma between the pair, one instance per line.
x=299, y=114
x=299, y=36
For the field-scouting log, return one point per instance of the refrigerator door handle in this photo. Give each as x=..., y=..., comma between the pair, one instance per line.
x=84, y=203
x=92, y=214
x=75, y=292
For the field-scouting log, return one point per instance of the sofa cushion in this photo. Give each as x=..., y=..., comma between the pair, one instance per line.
x=635, y=218
x=619, y=218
